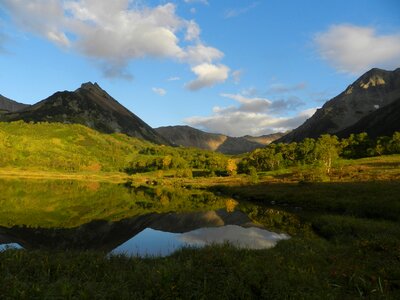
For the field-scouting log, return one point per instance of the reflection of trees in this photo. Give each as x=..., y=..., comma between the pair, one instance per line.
x=231, y=205
x=72, y=203
x=276, y=220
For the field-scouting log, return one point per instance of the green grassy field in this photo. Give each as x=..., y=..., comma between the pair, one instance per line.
x=345, y=224
x=345, y=245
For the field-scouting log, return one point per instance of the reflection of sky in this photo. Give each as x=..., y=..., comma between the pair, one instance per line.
x=9, y=246
x=158, y=243
x=252, y=238
x=150, y=242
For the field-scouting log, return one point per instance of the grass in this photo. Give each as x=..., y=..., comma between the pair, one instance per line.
x=294, y=269
x=23, y=173
x=345, y=245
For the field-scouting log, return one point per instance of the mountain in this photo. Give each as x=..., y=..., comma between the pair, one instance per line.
x=372, y=91
x=382, y=122
x=8, y=105
x=190, y=137
x=91, y=106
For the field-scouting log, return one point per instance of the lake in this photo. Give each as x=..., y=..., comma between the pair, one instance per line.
x=119, y=219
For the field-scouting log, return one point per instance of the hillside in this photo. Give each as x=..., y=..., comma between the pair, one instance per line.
x=382, y=122
x=191, y=137
x=64, y=147
x=91, y=106
x=8, y=105
x=374, y=90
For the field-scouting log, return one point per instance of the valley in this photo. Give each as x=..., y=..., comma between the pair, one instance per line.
x=95, y=203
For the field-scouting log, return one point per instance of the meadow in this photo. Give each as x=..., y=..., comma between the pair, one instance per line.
x=344, y=226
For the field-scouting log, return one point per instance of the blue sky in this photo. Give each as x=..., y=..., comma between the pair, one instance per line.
x=233, y=67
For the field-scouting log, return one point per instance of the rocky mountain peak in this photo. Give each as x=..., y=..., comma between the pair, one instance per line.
x=90, y=106
x=375, y=89
x=90, y=87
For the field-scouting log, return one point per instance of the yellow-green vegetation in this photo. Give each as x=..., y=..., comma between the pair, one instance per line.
x=321, y=153
x=68, y=148
x=67, y=204
x=343, y=215
x=357, y=227
x=345, y=245
x=75, y=148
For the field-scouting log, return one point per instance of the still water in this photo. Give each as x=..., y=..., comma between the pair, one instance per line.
x=152, y=242
x=117, y=219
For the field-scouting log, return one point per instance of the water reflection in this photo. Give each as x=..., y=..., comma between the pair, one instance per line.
x=9, y=246
x=152, y=242
x=113, y=218
x=68, y=204
x=252, y=238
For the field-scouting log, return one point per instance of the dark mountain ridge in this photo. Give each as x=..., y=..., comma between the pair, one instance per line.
x=372, y=91
x=91, y=106
x=382, y=122
x=8, y=105
x=191, y=137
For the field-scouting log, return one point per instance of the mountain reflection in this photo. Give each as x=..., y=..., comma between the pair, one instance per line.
x=106, y=236
x=61, y=215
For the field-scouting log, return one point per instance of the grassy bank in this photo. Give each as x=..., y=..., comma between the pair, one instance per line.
x=297, y=269
x=345, y=245
x=352, y=251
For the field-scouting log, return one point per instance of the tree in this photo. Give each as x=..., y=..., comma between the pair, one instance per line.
x=305, y=151
x=231, y=167
x=357, y=145
x=327, y=150
x=394, y=144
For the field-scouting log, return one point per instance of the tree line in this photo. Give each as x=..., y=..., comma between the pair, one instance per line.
x=323, y=151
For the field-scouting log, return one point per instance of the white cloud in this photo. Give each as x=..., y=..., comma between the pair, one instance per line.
x=234, y=12
x=242, y=123
x=193, y=10
x=208, y=75
x=250, y=105
x=355, y=49
x=254, y=116
x=193, y=31
x=44, y=18
x=236, y=76
x=200, y=53
x=175, y=78
x=113, y=33
x=159, y=91
x=197, y=1
x=279, y=88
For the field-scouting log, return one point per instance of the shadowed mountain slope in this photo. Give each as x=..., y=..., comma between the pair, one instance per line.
x=382, y=122
x=190, y=137
x=90, y=106
x=374, y=90
x=9, y=105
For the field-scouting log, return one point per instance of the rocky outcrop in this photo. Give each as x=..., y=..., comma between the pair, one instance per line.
x=372, y=91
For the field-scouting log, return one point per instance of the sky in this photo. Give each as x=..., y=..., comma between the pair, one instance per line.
x=232, y=67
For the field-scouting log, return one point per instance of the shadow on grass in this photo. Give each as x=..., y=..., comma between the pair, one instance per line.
x=376, y=200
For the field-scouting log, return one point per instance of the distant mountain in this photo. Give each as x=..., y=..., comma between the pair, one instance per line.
x=382, y=122
x=91, y=106
x=190, y=137
x=372, y=91
x=8, y=105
